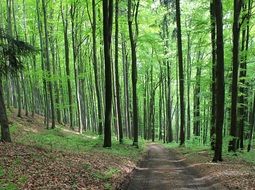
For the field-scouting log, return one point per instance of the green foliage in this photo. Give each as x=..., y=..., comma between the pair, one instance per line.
x=65, y=140
x=8, y=186
x=108, y=186
x=22, y=179
x=106, y=175
x=11, y=53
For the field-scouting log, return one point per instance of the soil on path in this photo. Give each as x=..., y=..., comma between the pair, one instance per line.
x=163, y=170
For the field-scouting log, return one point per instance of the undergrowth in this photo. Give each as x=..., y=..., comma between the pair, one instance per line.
x=61, y=139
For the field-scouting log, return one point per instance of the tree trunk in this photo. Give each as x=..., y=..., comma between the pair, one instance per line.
x=188, y=86
x=133, y=40
x=67, y=63
x=181, y=75
x=48, y=65
x=213, y=88
x=235, y=67
x=95, y=66
x=107, y=28
x=219, y=81
x=197, y=118
x=5, y=132
x=118, y=92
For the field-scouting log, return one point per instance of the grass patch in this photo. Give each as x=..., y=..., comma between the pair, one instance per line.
x=57, y=139
x=126, y=149
x=194, y=146
x=106, y=175
x=108, y=186
x=64, y=140
x=8, y=186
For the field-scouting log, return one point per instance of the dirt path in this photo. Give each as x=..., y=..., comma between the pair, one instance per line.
x=163, y=170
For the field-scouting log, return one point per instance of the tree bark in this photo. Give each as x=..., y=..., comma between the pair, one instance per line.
x=219, y=81
x=67, y=63
x=118, y=91
x=213, y=87
x=181, y=75
x=132, y=16
x=48, y=66
x=235, y=67
x=5, y=132
x=95, y=66
x=107, y=28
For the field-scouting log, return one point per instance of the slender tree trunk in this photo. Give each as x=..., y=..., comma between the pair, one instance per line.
x=252, y=126
x=118, y=90
x=181, y=75
x=67, y=63
x=126, y=84
x=95, y=66
x=197, y=90
x=19, y=95
x=235, y=67
x=188, y=86
x=107, y=28
x=5, y=132
x=48, y=65
x=39, y=25
x=219, y=84
x=145, y=121
x=213, y=87
x=132, y=16
x=160, y=104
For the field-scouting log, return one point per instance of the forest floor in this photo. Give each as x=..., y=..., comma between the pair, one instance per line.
x=183, y=168
x=237, y=171
x=40, y=159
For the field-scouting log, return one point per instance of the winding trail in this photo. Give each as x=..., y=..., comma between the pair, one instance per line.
x=163, y=170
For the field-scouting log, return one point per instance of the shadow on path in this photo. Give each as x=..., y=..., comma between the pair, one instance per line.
x=163, y=170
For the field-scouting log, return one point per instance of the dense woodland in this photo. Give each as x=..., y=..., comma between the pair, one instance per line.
x=162, y=70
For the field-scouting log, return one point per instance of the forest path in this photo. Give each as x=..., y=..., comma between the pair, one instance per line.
x=161, y=169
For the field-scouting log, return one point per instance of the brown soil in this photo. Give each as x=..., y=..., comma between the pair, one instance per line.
x=163, y=169
x=233, y=173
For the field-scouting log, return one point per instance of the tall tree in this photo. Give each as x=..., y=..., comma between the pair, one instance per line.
x=235, y=67
x=219, y=84
x=5, y=132
x=67, y=62
x=181, y=74
x=48, y=67
x=107, y=28
x=133, y=8
x=118, y=92
x=213, y=89
x=95, y=66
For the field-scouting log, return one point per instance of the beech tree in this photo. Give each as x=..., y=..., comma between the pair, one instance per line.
x=219, y=77
x=107, y=23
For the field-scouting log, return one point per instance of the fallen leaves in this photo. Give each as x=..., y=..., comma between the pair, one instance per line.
x=30, y=167
x=232, y=173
